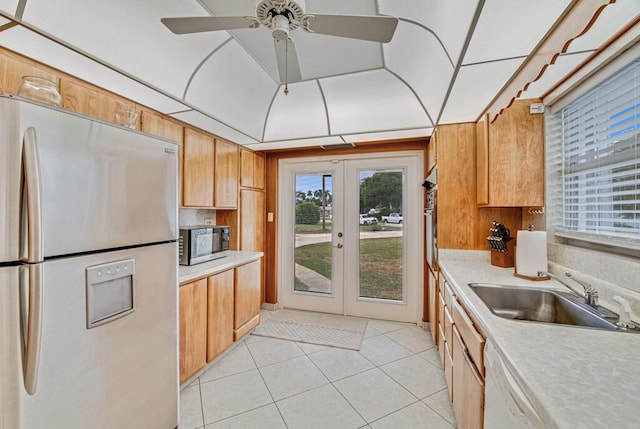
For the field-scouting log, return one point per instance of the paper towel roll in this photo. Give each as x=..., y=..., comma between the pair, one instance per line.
x=531, y=253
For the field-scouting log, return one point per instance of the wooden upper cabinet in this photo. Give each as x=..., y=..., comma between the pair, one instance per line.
x=199, y=155
x=155, y=124
x=227, y=161
x=431, y=152
x=84, y=98
x=511, y=173
x=482, y=160
x=252, y=169
x=14, y=67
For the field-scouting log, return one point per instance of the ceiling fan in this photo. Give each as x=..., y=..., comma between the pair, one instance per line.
x=283, y=16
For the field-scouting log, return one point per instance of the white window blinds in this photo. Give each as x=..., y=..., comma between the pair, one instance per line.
x=600, y=158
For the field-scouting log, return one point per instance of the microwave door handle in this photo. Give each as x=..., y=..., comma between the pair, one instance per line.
x=31, y=279
x=32, y=242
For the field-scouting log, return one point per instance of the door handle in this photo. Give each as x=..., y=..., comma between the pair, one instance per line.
x=32, y=219
x=339, y=246
x=31, y=308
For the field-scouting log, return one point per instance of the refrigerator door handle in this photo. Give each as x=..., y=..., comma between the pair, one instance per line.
x=32, y=230
x=31, y=315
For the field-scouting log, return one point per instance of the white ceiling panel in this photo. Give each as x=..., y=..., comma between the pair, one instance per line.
x=611, y=20
x=234, y=88
x=3, y=20
x=292, y=144
x=25, y=41
x=9, y=6
x=417, y=57
x=508, y=28
x=371, y=101
x=554, y=73
x=389, y=135
x=446, y=18
x=213, y=126
x=468, y=99
x=129, y=35
x=300, y=114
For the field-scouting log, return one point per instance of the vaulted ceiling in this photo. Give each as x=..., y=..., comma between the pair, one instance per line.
x=446, y=62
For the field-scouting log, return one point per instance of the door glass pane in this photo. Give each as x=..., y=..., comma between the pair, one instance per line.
x=313, y=251
x=381, y=235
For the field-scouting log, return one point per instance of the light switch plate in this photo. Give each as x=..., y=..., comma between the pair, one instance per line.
x=536, y=108
x=209, y=221
x=270, y=217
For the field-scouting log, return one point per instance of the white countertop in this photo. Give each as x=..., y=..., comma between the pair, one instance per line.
x=235, y=258
x=575, y=377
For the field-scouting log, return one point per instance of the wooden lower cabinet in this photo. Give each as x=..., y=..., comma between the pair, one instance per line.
x=247, y=298
x=461, y=348
x=214, y=313
x=468, y=387
x=193, y=328
x=220, y=313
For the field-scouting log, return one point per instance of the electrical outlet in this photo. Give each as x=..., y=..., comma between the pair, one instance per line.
x=209, y=221
x=270, y=217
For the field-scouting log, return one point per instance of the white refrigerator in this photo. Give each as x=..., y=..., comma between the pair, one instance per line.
x=88, y=273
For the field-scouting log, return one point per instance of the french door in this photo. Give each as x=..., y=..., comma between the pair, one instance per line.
x=340, y=252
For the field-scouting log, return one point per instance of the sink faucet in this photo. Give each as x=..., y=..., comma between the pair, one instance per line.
x=590, y=294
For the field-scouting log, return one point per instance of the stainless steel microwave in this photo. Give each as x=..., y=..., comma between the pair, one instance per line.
x=202, y=243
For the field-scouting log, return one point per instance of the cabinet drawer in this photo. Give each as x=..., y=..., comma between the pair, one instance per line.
x=473, y=340
x=449, y=296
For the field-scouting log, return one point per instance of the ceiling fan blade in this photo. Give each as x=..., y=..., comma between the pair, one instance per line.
x=287, y=58
x=198, y=24
x=370, y=27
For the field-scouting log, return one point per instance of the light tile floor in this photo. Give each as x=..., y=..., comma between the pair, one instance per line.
x=394, y=381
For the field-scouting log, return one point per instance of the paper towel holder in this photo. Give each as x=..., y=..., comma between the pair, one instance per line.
x=530, y=227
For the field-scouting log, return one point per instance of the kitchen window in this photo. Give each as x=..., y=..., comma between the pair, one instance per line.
x=594, y=163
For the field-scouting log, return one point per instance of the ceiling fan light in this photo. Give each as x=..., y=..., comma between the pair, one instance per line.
x=280, y=27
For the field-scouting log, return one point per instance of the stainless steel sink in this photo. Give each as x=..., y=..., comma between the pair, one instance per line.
x=540, y=305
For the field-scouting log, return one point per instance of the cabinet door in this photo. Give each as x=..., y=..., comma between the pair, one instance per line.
x=468, y=387
x=482, y=160
x=14, y=66
x=252, y=169
x=247, y=298
x=252, y=208
x=219, y=313
x=226, y=174
x=157, y=125
x=258, y=171
x=193, y=328
x=199, y=154
x=246, y=168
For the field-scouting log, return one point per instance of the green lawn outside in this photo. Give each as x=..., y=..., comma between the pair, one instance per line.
x=380, y=265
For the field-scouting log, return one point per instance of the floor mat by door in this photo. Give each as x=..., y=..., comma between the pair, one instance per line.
x=315, y=328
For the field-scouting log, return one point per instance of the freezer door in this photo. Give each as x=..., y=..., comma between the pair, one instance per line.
x=10, y=180
x=123, y=372
x=102, y=186
x=11, y=378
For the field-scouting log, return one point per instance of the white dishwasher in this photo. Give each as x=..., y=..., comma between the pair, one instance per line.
x=506, y=405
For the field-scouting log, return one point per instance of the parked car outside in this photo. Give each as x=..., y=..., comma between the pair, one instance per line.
x=392, y=218
x=365, y=219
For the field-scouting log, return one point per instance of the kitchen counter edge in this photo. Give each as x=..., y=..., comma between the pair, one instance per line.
x=190, y=273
